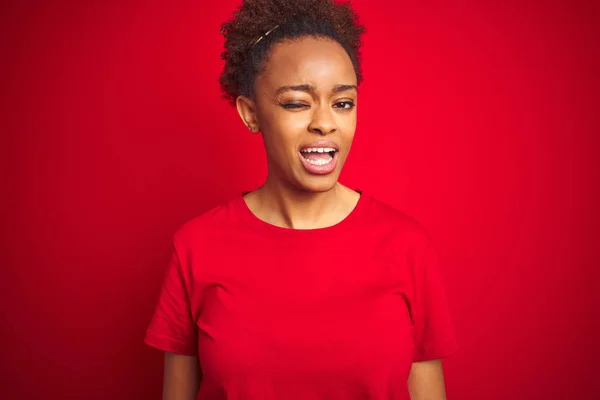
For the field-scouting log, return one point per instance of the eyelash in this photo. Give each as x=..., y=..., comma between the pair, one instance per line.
x=296, y=106
x=350, y=104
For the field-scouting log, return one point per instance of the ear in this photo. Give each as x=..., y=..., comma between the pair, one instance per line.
x=247, y=110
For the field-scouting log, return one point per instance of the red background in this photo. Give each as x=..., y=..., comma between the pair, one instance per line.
x=478, y=118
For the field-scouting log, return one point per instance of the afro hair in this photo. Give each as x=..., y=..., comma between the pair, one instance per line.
x=258, y=24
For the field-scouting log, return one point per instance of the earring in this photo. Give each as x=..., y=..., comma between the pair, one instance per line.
x=250, y=128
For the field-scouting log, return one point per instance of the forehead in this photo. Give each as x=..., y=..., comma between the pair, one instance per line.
x=321, y=62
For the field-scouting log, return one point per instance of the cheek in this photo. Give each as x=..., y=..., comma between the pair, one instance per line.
x=285, y=132
x=348, y=127
x=280, y=144
x=293, y=124
x=352, y=120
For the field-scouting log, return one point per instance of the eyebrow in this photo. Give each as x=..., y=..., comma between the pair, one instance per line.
x=344, y=88
x=311, y=88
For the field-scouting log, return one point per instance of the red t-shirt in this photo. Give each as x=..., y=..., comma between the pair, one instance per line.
x=275, y=313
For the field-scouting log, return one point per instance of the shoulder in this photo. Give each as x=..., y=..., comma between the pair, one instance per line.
x=206, y=225
x=397, y=222
x=402, y=238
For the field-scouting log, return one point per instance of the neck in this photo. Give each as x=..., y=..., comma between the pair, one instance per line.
x=290, y=207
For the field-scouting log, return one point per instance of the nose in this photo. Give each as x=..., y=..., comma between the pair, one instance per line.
x=323, y=121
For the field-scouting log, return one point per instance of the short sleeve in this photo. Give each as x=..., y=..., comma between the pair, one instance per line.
x=172, y=328
x=433, y=327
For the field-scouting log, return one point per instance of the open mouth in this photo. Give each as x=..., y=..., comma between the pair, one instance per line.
x=318, y=156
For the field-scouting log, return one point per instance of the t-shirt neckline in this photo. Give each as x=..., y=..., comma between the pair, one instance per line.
x=254, y=222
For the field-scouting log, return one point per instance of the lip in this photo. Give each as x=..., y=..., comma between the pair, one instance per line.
x=322, y=143
x=320, y=169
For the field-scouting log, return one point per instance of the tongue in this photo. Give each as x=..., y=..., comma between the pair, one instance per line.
x=317, y=156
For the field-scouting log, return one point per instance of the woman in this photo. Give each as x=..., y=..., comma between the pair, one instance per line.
x=303, y=288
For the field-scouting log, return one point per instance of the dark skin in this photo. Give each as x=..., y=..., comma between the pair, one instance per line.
x=306, y=93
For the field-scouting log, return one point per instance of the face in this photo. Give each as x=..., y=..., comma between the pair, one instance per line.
x=305, y=107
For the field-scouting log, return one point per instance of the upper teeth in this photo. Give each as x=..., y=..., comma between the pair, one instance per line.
x=318, y=150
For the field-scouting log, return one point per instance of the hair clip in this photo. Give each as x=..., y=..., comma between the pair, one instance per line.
x=264, y=36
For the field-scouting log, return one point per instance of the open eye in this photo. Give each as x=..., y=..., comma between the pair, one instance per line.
x=346, y=104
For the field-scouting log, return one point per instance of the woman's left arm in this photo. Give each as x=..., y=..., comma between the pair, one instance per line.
x=426, y=381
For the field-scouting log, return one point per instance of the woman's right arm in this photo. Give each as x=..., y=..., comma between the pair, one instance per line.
x=181, y=377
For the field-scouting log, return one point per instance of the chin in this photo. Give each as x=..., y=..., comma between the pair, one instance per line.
x=319, y=184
